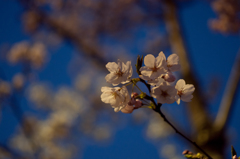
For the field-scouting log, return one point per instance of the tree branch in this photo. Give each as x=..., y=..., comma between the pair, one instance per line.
x=74, y=37
x=229, y=95
x=158, y=110
x=198, y=114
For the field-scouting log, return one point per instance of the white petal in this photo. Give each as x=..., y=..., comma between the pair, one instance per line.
x=146, y=71
x=154, y=75
x=144, y=77
x=161, y=71
x=107, y=98
x=149, y=61
x=161, y=99
x=164, y=86
x=117, y=81
x=120, y=64
x=117, y=109
x=172, y=91
x=175, y=68
x=125, y=93
x=126, y=67
x=111, y=77
x=186, y=98
x=180, y=84
x=161, y=54
x=104, y=89
x=159, y=60
x=155, y=91
x=159, y=81
x=112, y=66
x=173, y=59
x=178, y=99
x=188, y=89
x=128, y=109
x=170, y=100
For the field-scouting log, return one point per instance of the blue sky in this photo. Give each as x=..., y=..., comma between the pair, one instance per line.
x=212, y=54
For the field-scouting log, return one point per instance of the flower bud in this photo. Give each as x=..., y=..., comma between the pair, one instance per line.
x=187, y=152
x=134, y=94
x=138, y=104
x=132, y=102
x=234, y=157
x=169, y=77
x=127, y=109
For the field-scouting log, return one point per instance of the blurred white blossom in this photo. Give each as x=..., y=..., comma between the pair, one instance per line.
x=34, y=54
x=5, y=88
x=18, y=81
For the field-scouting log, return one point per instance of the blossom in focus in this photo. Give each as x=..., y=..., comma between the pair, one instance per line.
x=128, y=109
x=132, y=104
x=184, y=91
x=153, y=67
x=117, y=97
x=171, y=63
x=164, y=93
x=154, y=82
x=119, y=72
x=169, y=77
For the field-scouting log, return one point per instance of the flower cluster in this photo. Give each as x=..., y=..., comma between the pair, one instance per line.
x=227, y=20
x=157, y=74
x=34, y=54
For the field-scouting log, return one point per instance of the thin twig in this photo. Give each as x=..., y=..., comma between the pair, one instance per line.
x=70, y=35
x=18, y=113
x=147, y=85
x=158, y=110
x=199, y=115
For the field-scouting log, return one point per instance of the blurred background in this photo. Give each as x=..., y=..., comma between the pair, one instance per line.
x=52, y=66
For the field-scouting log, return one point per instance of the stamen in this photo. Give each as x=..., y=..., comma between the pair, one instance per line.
x=164, y=94
x=119, y=73
x=154, y=69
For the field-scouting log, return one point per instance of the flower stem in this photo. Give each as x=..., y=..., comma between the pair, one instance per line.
x=137, y=87
x=147, y=85
x=158, y=110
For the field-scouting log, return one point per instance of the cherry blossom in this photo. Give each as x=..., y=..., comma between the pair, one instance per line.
x=128, y=109
x=132, y=104
x=117, y=97
x=154, y=82
x=153, y=67
x=164, y=93
x=169, y=77
x=119, y=72
x=184, y=91
x=171, y=63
